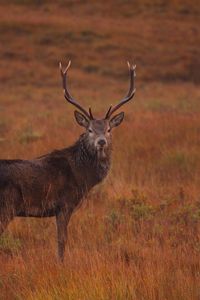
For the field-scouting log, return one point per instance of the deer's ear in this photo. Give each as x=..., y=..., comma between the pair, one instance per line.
x=116, y=120
x=81, y=119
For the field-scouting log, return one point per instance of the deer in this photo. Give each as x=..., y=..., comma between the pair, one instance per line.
x=54, y=184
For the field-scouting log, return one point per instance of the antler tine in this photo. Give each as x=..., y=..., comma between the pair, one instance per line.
x=67, y=95
x=91, y=115
x=130, y=94
x=108, y=112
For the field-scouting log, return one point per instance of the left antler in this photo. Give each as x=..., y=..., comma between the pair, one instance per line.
x=67, y=95
x=129, y=95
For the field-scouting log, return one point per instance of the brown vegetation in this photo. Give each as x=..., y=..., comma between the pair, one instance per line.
x=138, y=236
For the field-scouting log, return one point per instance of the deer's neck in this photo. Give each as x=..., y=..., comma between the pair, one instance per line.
x=90, y=167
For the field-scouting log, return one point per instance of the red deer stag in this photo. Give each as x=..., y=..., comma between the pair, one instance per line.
x=55, y=183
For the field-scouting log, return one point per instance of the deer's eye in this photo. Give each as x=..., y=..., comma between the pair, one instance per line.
x=90, y=130
x=108, y=130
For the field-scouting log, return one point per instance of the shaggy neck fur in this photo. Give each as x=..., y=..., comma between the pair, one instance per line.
x=91, y=165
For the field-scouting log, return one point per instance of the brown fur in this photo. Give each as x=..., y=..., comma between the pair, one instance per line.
x=54, y=184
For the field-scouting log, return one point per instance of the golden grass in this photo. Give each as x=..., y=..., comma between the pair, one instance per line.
x=138, y=235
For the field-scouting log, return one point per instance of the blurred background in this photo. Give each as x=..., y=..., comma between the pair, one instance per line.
x=161, y=37
x=150, y=202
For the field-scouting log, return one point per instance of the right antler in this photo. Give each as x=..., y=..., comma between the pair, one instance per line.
x=67, y=95
x=129, y=95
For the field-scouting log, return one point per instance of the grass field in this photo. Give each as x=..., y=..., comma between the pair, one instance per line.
x=138, y=234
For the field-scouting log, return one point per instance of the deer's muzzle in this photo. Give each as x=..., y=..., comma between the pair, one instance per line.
x=100, y=143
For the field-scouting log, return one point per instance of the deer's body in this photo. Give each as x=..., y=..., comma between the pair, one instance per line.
x=55, y=183
x=43, y=186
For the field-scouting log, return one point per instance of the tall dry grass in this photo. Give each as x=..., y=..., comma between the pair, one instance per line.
x=137, y=234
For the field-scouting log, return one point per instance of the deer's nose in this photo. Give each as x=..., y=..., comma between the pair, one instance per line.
x=101, y=142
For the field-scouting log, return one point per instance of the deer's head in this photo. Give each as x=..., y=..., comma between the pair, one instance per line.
x=98, y=131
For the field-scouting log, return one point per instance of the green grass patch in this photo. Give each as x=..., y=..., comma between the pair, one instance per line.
x=10, y=245
x=29, y=136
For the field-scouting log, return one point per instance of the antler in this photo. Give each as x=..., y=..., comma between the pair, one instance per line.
x=67, y=95
x=129, y=95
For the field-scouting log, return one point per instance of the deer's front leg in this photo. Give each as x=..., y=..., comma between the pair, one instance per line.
x=6, y=216
x=62, y=220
